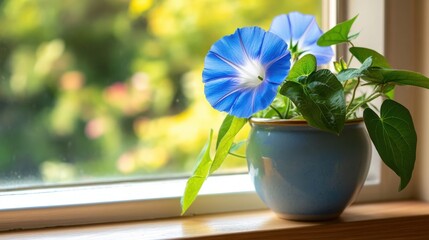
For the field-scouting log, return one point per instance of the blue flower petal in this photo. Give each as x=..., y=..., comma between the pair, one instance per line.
x=244, y=106
x=291, y=26
x=213, y=63
x=265, y=95
x=282, y=28
x=301, y=29
x=275, y=67
x=241, y=45
x=275, y=73
x=310, y=36
x=323, y=54
x=308, y=44
x=230, y=49
x=254, y=100
x=243, y=71
x=220, y=89
x=250, y=39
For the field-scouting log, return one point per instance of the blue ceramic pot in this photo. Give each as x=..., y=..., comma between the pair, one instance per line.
x=303, y=173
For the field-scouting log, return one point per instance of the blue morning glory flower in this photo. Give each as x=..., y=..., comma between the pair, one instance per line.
x=301, y=32
x=242, y=71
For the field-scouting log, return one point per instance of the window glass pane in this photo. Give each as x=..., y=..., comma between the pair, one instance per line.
x=107, y=90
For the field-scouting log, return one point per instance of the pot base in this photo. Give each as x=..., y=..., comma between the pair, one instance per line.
x=308, y=218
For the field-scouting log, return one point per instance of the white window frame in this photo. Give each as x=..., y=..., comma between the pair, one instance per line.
x=100, y=203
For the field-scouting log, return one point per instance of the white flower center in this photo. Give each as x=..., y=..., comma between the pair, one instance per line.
x=251, y=74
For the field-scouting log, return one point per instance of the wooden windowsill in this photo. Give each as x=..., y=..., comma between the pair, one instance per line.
x=395, y=220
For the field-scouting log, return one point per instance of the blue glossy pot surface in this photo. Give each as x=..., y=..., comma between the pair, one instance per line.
x=302, y=173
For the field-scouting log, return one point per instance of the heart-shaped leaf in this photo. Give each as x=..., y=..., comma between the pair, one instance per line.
x=362, y=54
x=338, y=34
x=320, y=99
x=303, y=67
x=394, y=137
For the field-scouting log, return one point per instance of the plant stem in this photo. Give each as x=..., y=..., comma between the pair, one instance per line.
x=277, y=111
x=354, y=94
x=350, y=61
x=369, y=99
x=236, y=155
x=351, y=57
x=287, y=109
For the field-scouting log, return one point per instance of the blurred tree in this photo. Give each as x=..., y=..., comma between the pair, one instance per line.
x=91, y=90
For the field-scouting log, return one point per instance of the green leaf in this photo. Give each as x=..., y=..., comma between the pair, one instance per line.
x=226, y=124
x=358, y=101
x=226, y=141
x=320, y=99
x=303, y=67
x=200, y=174
x=402, y=77
x=394, y=137
x=338, y=34
x=280, y=102
x=362, y=54
x=205, y=165
x=353, y=72
x=353, y=36
x=389, y=91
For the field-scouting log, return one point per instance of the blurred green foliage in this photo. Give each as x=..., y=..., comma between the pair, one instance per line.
x=95, y=90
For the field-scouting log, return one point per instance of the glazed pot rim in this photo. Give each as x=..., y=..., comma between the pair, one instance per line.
x=293, y=122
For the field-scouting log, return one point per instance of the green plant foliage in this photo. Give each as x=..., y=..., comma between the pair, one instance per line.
x=340, y=65
x=401, y=77
x=389, y=90
x=303, y=67
x=226, y=124
x=326, y=100
x=362, y=54
x=226, y=140
x=320, y=99
x=281, y=104
x=351, y=73
x=394, y=137
x=200, y=174
x=338, y=34
x=206, y=165
x=237, y=145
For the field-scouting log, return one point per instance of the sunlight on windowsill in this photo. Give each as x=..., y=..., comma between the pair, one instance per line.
x=399, y=220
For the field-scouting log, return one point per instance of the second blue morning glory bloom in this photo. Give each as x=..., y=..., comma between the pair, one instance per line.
x=242, y=71
x=301, y=32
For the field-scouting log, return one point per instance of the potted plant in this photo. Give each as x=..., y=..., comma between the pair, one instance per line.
x=308, y=151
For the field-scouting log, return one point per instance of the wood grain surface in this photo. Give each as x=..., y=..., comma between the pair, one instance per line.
x=395, y=220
